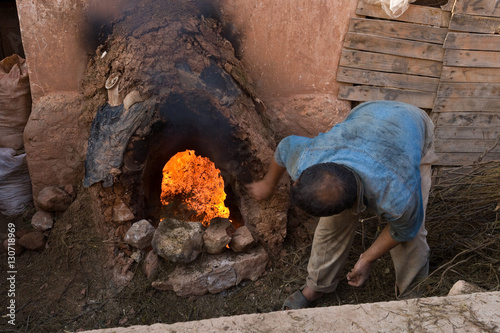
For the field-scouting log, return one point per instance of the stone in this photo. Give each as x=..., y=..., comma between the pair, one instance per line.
x=108, y=213
x=184, y=283
x=222, y=277
x=21, y=232
x=215, y=274
x=54, y=199
x=476, y=313
x=140, y=234
x=35, y=240
x=242, y=240
x=178, y=241
x=218, y=235
x=137, y=256
x=42, y=220
x=122, y=275
x=151, y=264
x=462, y=287
x=121, y=212
x=121, y=230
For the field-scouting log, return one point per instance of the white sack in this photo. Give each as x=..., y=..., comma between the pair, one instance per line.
x=393, y=8
x=15, y=182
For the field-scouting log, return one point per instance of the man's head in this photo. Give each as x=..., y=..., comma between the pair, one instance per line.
x=325, y=189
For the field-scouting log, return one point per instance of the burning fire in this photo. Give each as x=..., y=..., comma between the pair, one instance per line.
x=195, y=186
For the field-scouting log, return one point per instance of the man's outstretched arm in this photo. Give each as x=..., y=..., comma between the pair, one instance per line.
x=361, y=270
x=264, y=188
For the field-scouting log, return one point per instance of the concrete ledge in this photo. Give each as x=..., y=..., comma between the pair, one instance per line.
x=478, y=312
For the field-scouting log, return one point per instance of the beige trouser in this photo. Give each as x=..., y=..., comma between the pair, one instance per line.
x=334, y=235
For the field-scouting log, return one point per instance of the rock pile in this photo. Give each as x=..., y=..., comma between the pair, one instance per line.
x=233, y=254
x=49, y=201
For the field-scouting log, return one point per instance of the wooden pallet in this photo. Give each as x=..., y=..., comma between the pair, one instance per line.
x=445, y=60
x=384, y=59
x=467, y=106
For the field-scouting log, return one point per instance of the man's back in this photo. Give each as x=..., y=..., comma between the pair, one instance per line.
x=382, y=142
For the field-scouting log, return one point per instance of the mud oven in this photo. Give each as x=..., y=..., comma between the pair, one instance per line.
x=180, y=111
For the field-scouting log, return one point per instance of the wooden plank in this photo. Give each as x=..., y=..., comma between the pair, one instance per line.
x=415, y=14
x=465, y=58
x=478, y=7
x=461, y=132
x=470, y=23
x=466, y=146
x=420, y=99
x=401, y=30
x=460, y=119
x=390, y=63
x=467, y=104
x=373, y=78
x=467, y=74
x=394, y=46
x=464, y=41
x=477, y=90
x=454, y=159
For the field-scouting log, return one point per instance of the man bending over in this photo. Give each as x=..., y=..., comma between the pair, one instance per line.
x=378, y=159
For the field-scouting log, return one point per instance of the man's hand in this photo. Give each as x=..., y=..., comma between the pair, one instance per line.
x=360, y=272
x=260, y=190
x=264, y=188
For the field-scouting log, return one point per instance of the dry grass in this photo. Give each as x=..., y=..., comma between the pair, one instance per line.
x=464, y=231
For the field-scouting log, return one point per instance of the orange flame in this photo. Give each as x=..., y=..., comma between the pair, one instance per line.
x=196, y=182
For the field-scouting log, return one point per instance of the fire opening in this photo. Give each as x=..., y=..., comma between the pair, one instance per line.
x=192, y=189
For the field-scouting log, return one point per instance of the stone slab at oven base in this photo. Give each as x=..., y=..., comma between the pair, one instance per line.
x=215, y=273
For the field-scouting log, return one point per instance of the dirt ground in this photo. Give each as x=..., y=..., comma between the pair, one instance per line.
x=65, y=286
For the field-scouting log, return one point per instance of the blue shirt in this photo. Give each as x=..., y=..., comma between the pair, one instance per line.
x=382, y=142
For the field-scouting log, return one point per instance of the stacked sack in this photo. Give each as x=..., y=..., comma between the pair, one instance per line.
x=15, y=108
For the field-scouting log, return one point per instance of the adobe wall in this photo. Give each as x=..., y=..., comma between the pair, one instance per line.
x=292, y=50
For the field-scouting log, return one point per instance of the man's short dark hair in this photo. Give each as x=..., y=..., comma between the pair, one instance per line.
x=325, y=189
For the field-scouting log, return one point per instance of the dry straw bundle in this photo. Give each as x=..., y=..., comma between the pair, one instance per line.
x=464, y=230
